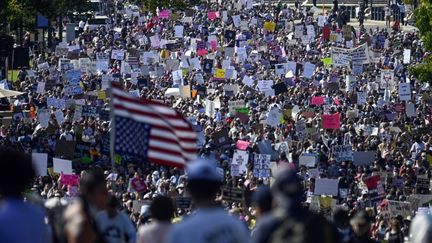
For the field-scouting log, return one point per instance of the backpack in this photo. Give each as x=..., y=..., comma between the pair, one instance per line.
x=310, y=228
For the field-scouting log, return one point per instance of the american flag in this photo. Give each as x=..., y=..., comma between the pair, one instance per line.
x=150, y=130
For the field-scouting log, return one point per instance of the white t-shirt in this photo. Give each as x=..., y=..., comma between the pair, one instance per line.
x=209, y=225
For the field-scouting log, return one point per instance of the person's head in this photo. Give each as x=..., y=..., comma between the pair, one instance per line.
x=263, y=201
x=162, y=208
x=421, y=228
x=288, y=189
x=360, y=224
x=203, y=181
x=93, y=187
x=16, y=172
x=394, y=225
x=113, y=205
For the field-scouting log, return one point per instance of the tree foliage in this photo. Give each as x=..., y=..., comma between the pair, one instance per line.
x=151, y=5
x=423, y=21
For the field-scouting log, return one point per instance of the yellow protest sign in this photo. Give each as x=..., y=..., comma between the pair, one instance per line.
x=333, y=37
x=220, y=73
x=102, y=95
x=269, y=26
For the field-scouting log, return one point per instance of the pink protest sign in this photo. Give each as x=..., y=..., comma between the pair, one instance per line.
x=331, y=121
x=164, y=14
x=212, y=15
x=318, y=100
x=202, y=52
x=69, y=180
x=213, y=45
x=242, y=145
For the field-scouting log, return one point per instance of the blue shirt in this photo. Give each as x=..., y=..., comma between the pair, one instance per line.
x=22, y=222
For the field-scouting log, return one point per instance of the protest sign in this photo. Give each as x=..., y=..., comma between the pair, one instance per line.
x=269, y=26
x=387, y=79
x=62, y=165
x=308, y=70
x=399, y=208
x=183, y=202
x=232, y=194
x=241, y=158
x=324, y=186
x=261, y=165
x=40, y=88
x=318, y=100
x=331, y=121
x=308, y=160
x=40, y=163
x=273, y=117
x=361, y=98
x=178, y=31
x=342, y=153
x=43, y=116
x=410, y=110
x=404, y=91
x=64, y=148
x=422, y=185
x=363, y=157
x=118, y=55
x=242, y=145
x=407, y=56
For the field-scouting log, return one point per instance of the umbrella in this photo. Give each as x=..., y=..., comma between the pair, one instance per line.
x=8, y=93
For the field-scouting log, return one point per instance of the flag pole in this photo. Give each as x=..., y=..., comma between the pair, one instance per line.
x=112, y=129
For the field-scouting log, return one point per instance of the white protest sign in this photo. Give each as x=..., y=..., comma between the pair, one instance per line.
x=262, y=165
x=118, y=55
x=273, y=117
x=40, y=88
x=308, y=70
x=40, y=163
x=325, y=186
x=241, y=158
x=399, y=208
x=361, y=98
x=410, y=110
x=387, y=79
x=43, y=116
x=407, y=56
x=247, y=81
x=178, y=31
x=59, y=116
x=404, y=91
x=62, y=165
x=264, y=85
x=342, y=152
x=308, y=160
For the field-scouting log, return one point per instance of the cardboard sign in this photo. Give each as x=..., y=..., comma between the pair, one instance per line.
x=118, y=55
x=308, y=160
x=65, y=148
x=40, y=163
x=62, y=165
x=261, y=165
x=183, y=202
x=241, y=159
x=242, y=145
x=325, y=186
x=399, y=208
x=342, y=153
x=404, y=91
x=331, y=121
x=232, y=194
x=363, y=157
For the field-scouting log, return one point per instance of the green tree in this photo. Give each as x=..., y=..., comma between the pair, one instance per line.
x=423, y=21
x=151, y=5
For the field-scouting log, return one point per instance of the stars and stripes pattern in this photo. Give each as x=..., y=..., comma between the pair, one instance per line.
x=151, y=130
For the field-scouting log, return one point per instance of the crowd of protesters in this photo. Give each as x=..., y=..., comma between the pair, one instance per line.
x=332, y=108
